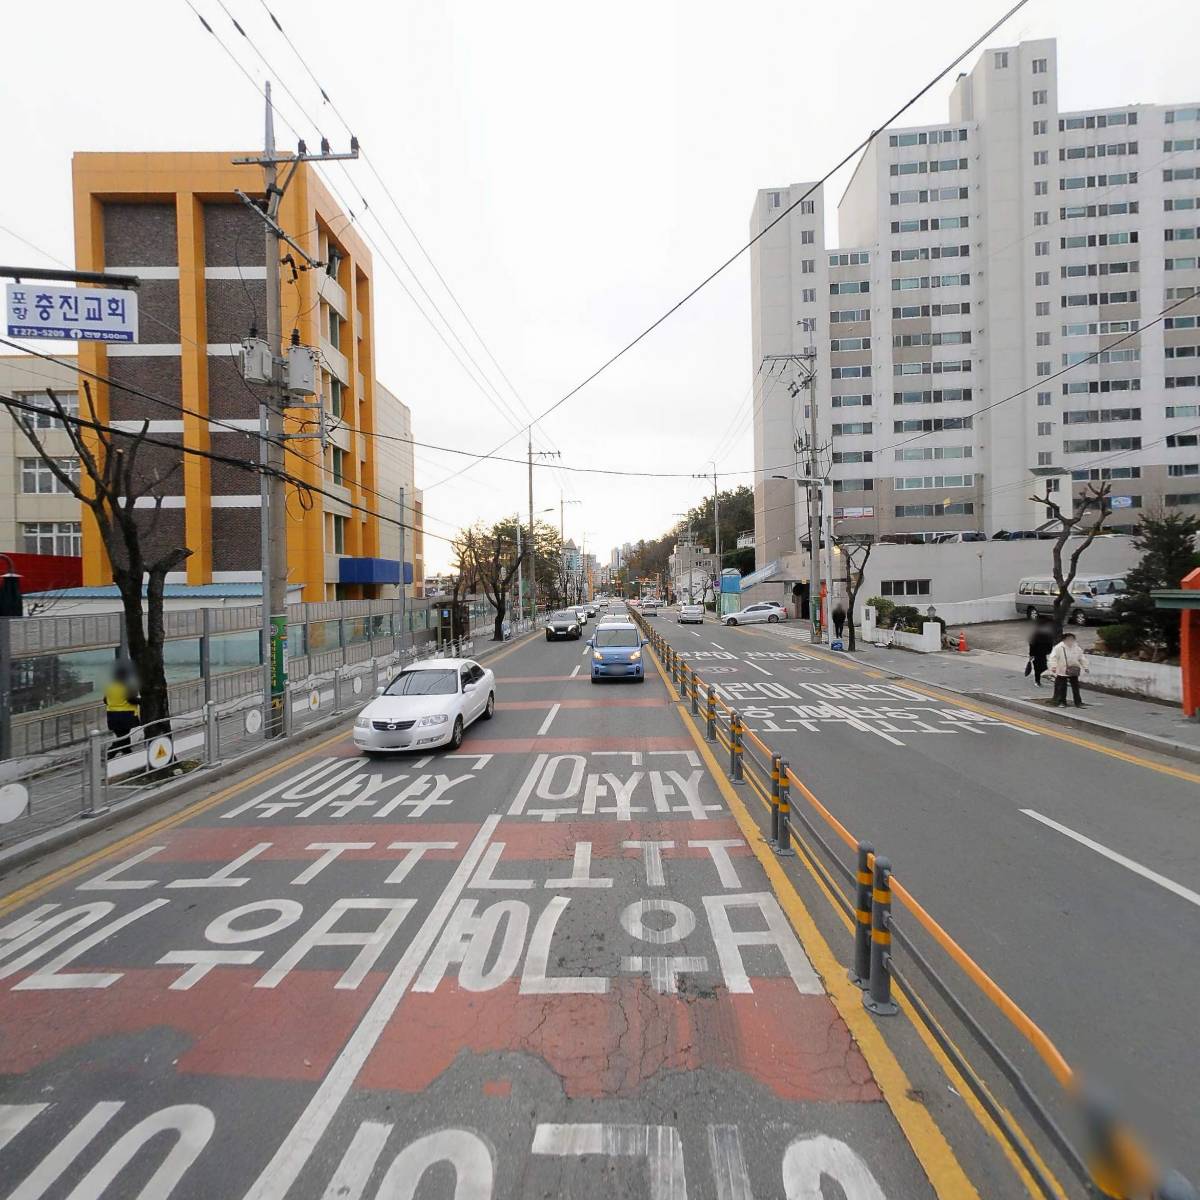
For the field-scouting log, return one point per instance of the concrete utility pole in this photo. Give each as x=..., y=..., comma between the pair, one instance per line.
x=403, y=625
x=273, y=487
x=531, y=571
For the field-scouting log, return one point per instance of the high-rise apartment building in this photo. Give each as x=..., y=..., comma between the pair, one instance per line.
x=176, y=222
x=991, y=317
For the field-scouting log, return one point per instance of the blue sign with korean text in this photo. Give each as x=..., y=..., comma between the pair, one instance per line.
x=83, y=314
x=1121, y=501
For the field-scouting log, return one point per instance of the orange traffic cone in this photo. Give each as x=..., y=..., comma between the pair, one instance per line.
x=962, y=641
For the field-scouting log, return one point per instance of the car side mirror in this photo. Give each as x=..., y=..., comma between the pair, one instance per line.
x=380, y=690
x=591, y=644
x=645, y=641
x=468, y=687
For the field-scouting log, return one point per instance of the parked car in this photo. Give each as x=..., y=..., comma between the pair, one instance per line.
x=770, y=611
x=967, y=535
x=617, y=652
x=691, y=614
x=1092, y=597
x=564, y=624
x=428, y=704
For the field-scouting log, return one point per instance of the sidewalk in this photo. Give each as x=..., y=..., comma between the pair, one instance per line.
x=1000, y=680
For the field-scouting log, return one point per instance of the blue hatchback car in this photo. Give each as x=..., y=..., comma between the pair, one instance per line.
x=616, y=652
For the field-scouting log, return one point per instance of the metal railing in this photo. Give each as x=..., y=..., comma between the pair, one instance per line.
x=43, y=791
x=1113, y=1162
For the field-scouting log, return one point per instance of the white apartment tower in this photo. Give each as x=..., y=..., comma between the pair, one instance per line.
x=982, y=259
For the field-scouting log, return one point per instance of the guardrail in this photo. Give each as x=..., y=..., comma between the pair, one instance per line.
x=1113, y=1162
x=41, y=792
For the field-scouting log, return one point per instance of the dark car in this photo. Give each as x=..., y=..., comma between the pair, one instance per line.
x=565, y=624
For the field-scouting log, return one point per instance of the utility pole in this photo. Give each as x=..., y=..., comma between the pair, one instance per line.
x=403, y=624
x=532, y=541
x=273, y=487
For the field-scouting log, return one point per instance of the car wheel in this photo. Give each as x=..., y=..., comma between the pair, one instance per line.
x=456, y=735
x=549, y=638
x=1079, y=617
x=731, y=621
x=772, y=620
x=1031, y=613
x=490, y=711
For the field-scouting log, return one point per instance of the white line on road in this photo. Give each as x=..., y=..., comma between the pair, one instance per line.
x=717, y=644
x=289, y=1160
x=576, y=671
x=549, y=717
x=694, y=633
x=756, y=667
x=1136, y=867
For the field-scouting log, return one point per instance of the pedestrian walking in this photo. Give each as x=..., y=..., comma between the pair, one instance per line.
x=839, y=619
x=122, y=708
x=1041, y=642
x=1067, y=663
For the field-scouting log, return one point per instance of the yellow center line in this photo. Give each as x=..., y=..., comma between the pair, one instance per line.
x=40, y=886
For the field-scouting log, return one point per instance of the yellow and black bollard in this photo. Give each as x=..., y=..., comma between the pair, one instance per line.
x=860, y=973
x=783, y=843
x=877, y=998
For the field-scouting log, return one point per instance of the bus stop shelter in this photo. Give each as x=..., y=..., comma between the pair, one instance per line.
x=1186, y=600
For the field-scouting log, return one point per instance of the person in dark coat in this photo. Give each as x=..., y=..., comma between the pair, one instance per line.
x=1041, y=642
x=839, y=619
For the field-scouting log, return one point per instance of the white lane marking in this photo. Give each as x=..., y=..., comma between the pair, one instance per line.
x=549, y=718
x=756, y=667
x=289, y=1160
x=1136, y=867
x=576, y=671
x=717, y=644
x=694, y=633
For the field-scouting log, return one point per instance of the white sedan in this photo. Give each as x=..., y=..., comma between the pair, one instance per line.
x=691, y=613
x=769, y=611
x=428, y=704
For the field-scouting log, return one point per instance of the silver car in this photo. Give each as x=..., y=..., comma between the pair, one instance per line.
x=769, y=611
x=691, y=614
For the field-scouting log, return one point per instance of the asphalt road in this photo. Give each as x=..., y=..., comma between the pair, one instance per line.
x=1033, y=846
x=548, y=965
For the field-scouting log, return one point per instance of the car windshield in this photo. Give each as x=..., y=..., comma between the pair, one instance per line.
x=616, y=637
x=423, y=683
x=564, y=616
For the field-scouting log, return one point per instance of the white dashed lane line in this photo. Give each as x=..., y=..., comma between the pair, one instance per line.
x=756, y=667
x=549, y=720
x=576, y=671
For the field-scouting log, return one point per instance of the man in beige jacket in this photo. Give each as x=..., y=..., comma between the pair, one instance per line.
x=1067, y=663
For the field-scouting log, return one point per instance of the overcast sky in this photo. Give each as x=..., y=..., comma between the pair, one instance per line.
x=572, y=170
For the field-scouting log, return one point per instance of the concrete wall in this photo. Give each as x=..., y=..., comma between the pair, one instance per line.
x=1157, y=681
x=968, y=570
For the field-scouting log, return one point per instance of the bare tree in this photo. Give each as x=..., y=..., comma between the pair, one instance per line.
x=1093, y=504
x=108, y=461
x=497, y=565
x=856, y=550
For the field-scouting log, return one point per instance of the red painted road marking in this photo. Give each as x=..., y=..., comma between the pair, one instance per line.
x=511, y=679
x=598, y=702
x=573, y=745
x=611, y=1045
x=523, y=840
x=293, y=1031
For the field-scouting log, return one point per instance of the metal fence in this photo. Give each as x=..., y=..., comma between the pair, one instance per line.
x=53, y=669
x=40, y=792
x=1086, y=1134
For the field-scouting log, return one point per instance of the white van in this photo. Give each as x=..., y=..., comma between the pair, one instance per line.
x=1092, y=597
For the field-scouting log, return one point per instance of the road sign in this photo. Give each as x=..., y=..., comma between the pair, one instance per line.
x=160, y=751
x=85, y=314
x=1120, y=501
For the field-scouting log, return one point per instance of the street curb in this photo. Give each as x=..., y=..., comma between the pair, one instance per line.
x=79, y=828
x=1119, y=733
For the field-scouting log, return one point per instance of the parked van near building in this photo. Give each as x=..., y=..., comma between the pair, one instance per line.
x=1092, y=597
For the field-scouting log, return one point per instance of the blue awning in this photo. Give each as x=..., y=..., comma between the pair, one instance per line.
x=371, y=570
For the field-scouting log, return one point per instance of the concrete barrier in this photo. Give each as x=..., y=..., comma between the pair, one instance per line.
x=928, y=641
x=1156, y=681
x=975, y=612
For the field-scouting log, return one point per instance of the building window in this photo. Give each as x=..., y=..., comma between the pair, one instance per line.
x=333, y=260
x=808, y=266
x=1039, y=127
x=44, y=419
x=1039, y=66
x=808, y=296
x=1045, y=458
x=1041, y=249
x=339, y=464
x=38, y=480
x=1040, y=187
x=1043, y=338
x=1041, y=279
x=806, y=237
x=335, y=329
x=1041, y=218
x=963, y=509
x=1039, y=96
x=339, y=535
x=807, y=207
x=52, y=537
x=336, y=396
x=1041, y=158
x=1045, y=428
x=774, y=199
x=1043, y=368
x=1041, y=308
x=904, y=587
x=1000, y=58
x=1043, y=399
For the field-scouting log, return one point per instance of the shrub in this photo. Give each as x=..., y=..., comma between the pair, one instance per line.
x=883, y=609
x=906, y=617
x=1120, y=639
